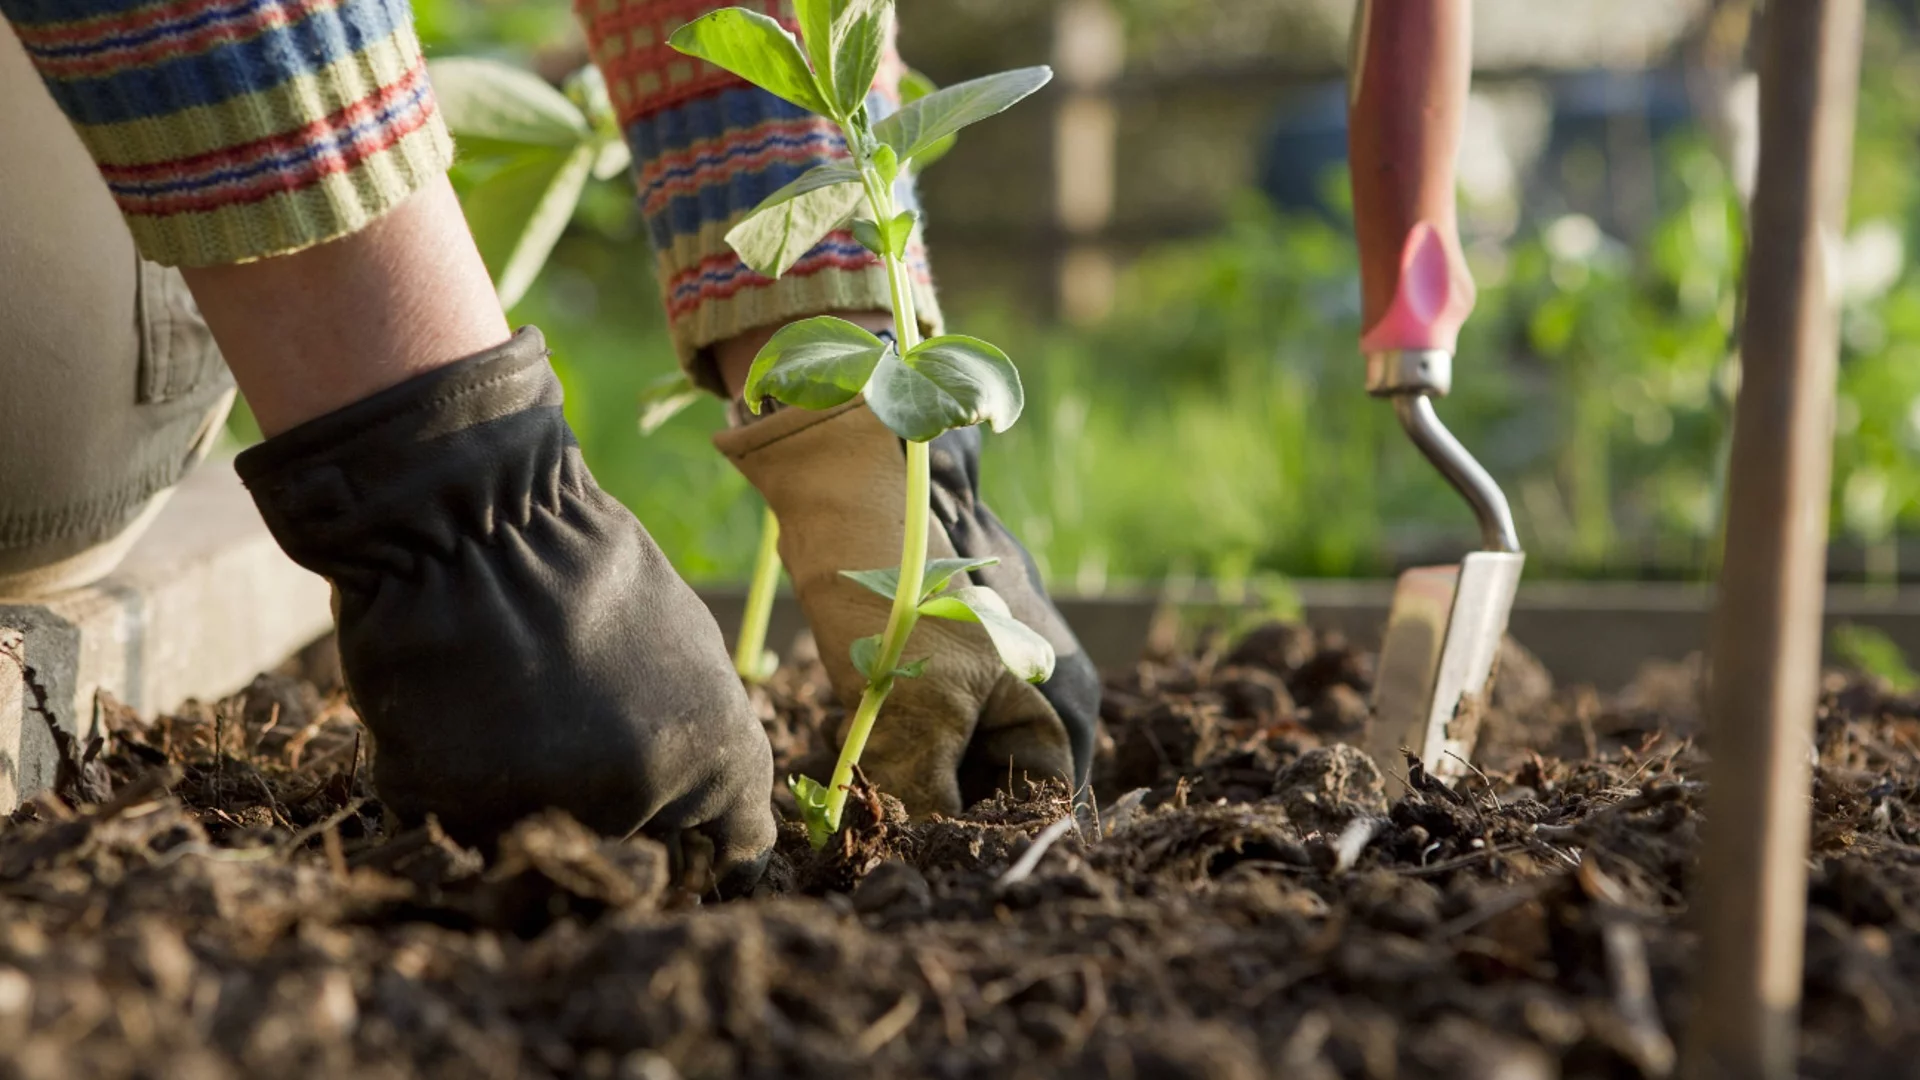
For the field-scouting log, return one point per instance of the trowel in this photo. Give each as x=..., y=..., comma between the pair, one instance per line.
x=1407, y=95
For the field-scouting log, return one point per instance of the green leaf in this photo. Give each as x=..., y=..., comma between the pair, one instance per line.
x=888, y=239
x=900, y=230
x=924, y=122
x=773, y=240
x=757, y=49
x=913, y=87
x=869, y=236
x=886, y=162
x=865, y=653
x=1021, y=648
x=811, y=795
x=938, y=573
x=518, y=213
x=663, y=399
x=860, y=33
x=884, y=582
x=945, y=383
x=820, y=176
x=843, y=39
x=487, y=101
x=816, y=18
x=815, y=363
x=941, y=571
x=866, y=656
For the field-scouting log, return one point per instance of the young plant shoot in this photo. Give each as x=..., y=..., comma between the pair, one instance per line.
x=918, y=389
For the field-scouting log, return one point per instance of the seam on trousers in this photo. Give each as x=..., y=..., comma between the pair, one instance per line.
x=103, y=515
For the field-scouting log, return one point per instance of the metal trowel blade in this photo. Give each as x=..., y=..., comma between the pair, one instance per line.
x=1442, y=640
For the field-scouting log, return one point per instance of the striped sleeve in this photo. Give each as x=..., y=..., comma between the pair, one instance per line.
x=231, y=130
x=707, y=148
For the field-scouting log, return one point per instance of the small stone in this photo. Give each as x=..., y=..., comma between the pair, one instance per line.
x=1325, y=788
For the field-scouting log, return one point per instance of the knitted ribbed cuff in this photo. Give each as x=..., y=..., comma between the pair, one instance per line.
x=228, y=130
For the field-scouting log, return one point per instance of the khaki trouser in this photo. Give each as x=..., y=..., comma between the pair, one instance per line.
x=110, y=386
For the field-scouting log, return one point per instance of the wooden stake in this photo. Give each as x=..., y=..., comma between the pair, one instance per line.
x=1750, y=904
x=1089, y=49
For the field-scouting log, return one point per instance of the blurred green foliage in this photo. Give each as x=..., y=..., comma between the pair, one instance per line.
x=1215, y=426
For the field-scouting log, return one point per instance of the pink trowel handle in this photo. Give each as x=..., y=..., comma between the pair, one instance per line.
x=1408, y=92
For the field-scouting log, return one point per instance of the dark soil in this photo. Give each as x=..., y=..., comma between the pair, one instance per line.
x=214, y=894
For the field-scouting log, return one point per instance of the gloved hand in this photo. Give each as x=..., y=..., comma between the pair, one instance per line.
x=836, y=479
x=510, y=634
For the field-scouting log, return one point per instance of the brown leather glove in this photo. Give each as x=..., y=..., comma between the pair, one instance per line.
x=511, y=635
x=836, y=479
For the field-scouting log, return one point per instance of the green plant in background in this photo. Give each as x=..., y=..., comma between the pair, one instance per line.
x=918, y=389
x=1872, y=652
x=665, y=399
x=1214, y=426
x=542, y=146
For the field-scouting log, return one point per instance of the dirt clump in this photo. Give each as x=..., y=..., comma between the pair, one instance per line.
x=216, y=892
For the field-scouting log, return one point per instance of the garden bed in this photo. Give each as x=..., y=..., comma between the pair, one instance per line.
x=1251, y=903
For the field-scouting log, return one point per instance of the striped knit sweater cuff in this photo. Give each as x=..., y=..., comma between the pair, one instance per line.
x=707, y=148
x=230, y=130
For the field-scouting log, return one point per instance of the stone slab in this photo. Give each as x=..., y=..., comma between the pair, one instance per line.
x=203, y=602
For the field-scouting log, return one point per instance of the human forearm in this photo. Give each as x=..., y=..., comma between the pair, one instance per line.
x=308, y=333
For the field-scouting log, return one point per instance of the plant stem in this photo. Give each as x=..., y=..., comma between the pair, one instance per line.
x=913, y=547
x=751, y=647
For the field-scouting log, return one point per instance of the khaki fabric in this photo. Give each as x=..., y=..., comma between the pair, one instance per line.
x=110, y=385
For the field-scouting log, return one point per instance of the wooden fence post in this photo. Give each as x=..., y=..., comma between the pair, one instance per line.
x=1089, y=49
x=1750, y=897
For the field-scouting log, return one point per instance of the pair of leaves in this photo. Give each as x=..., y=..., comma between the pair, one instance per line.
x=811, y=796
x=547, y=144
x=866, y=659
x=886, y=238
x=941, y=384
x=1021, y=648
x=844, y=41
x=934, y=578
x=788, y=223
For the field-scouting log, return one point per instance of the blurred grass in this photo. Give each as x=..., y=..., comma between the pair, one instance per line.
x=1215, y=425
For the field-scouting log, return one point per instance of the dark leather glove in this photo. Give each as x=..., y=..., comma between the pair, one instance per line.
x=510, y=634
x=837, y=481
x=1074, y=689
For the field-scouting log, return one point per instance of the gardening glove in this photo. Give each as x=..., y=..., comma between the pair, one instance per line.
x=510, y=634
x=836, y=479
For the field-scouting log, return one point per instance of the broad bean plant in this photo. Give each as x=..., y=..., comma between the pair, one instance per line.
x=917, y=388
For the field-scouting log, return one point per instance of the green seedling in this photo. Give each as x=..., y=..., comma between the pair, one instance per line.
x=918, y=389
